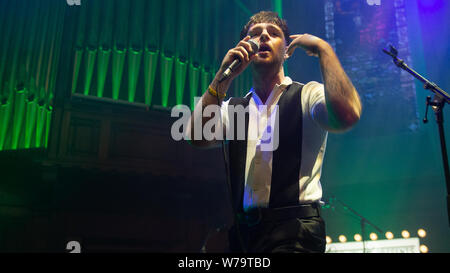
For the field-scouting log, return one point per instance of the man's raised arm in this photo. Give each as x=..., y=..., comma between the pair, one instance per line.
x=343, y=106
x=243, y=51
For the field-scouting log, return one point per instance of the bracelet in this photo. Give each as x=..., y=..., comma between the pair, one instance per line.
x=215, y=94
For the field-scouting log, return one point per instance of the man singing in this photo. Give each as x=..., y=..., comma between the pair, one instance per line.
x=276, y=192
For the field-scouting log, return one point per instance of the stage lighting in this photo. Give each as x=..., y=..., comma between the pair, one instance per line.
x=389, y=235
x=423, y=249
x=373, y=236
x=342, y=239
x=422, y=233
x=405, y=234
x=357, y=237
x=329, y=240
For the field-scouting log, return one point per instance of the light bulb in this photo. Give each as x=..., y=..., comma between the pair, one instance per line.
x=373, y=236
x=405, y=234
x=389, y=235
x=422, y=233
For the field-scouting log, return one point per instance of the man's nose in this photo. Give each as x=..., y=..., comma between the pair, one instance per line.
x=264, y=36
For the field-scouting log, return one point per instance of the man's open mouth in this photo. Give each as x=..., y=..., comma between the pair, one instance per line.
x=264, y=48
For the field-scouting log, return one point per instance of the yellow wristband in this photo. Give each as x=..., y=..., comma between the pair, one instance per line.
x=215, y=94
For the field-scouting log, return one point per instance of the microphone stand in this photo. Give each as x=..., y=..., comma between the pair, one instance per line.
x=362, y=220
x=437, y=104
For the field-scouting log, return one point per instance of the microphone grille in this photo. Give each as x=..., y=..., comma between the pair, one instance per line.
x=254, y=44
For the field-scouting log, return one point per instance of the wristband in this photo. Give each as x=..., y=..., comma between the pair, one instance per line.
x=215, y=94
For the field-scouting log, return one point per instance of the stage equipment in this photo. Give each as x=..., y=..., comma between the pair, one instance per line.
x=437, y=104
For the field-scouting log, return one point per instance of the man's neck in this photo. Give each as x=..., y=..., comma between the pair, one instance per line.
x=264, y=83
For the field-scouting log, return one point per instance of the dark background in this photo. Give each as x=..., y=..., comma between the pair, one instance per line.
x=107, y=172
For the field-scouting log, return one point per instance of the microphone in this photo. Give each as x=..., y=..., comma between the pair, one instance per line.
x=235, y=64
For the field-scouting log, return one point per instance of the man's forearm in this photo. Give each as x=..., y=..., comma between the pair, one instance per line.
x=198, y=117
x=342, y=100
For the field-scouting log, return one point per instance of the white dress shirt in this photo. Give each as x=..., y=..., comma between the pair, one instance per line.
x=258, y=168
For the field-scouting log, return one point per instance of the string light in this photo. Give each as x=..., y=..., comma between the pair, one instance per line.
x=423, y=249
x=405, y=234
x=389, y=235
x=422, y=233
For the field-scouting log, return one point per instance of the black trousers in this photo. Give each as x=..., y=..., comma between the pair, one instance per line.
x=295, y=235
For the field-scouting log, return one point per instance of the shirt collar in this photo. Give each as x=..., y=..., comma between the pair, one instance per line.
x=286, y=82
x=278, y=88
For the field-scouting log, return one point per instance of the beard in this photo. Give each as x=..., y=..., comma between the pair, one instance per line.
x=269, y=65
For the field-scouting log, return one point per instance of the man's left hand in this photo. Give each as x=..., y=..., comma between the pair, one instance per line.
x=310, y=43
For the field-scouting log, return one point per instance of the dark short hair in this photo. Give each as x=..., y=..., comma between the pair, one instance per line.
x=267, y=17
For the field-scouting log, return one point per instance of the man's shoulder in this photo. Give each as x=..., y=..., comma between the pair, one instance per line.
x=308, y=84
x=312, y=88
x=296, y=83
x=314, y=84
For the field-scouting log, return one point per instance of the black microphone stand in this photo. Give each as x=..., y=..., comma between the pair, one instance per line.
x=362, y=220
x=437, y=104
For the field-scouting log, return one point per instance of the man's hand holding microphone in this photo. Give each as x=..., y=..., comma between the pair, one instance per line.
x=234, y=63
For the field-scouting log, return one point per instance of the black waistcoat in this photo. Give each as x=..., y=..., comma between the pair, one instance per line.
x=286, y=159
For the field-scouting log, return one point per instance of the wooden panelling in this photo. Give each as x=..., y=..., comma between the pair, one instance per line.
x=98, y=133
x=114, y=179
x=139, y=141
x=84, y=137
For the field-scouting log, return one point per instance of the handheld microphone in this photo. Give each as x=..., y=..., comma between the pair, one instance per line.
x=235, y=64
